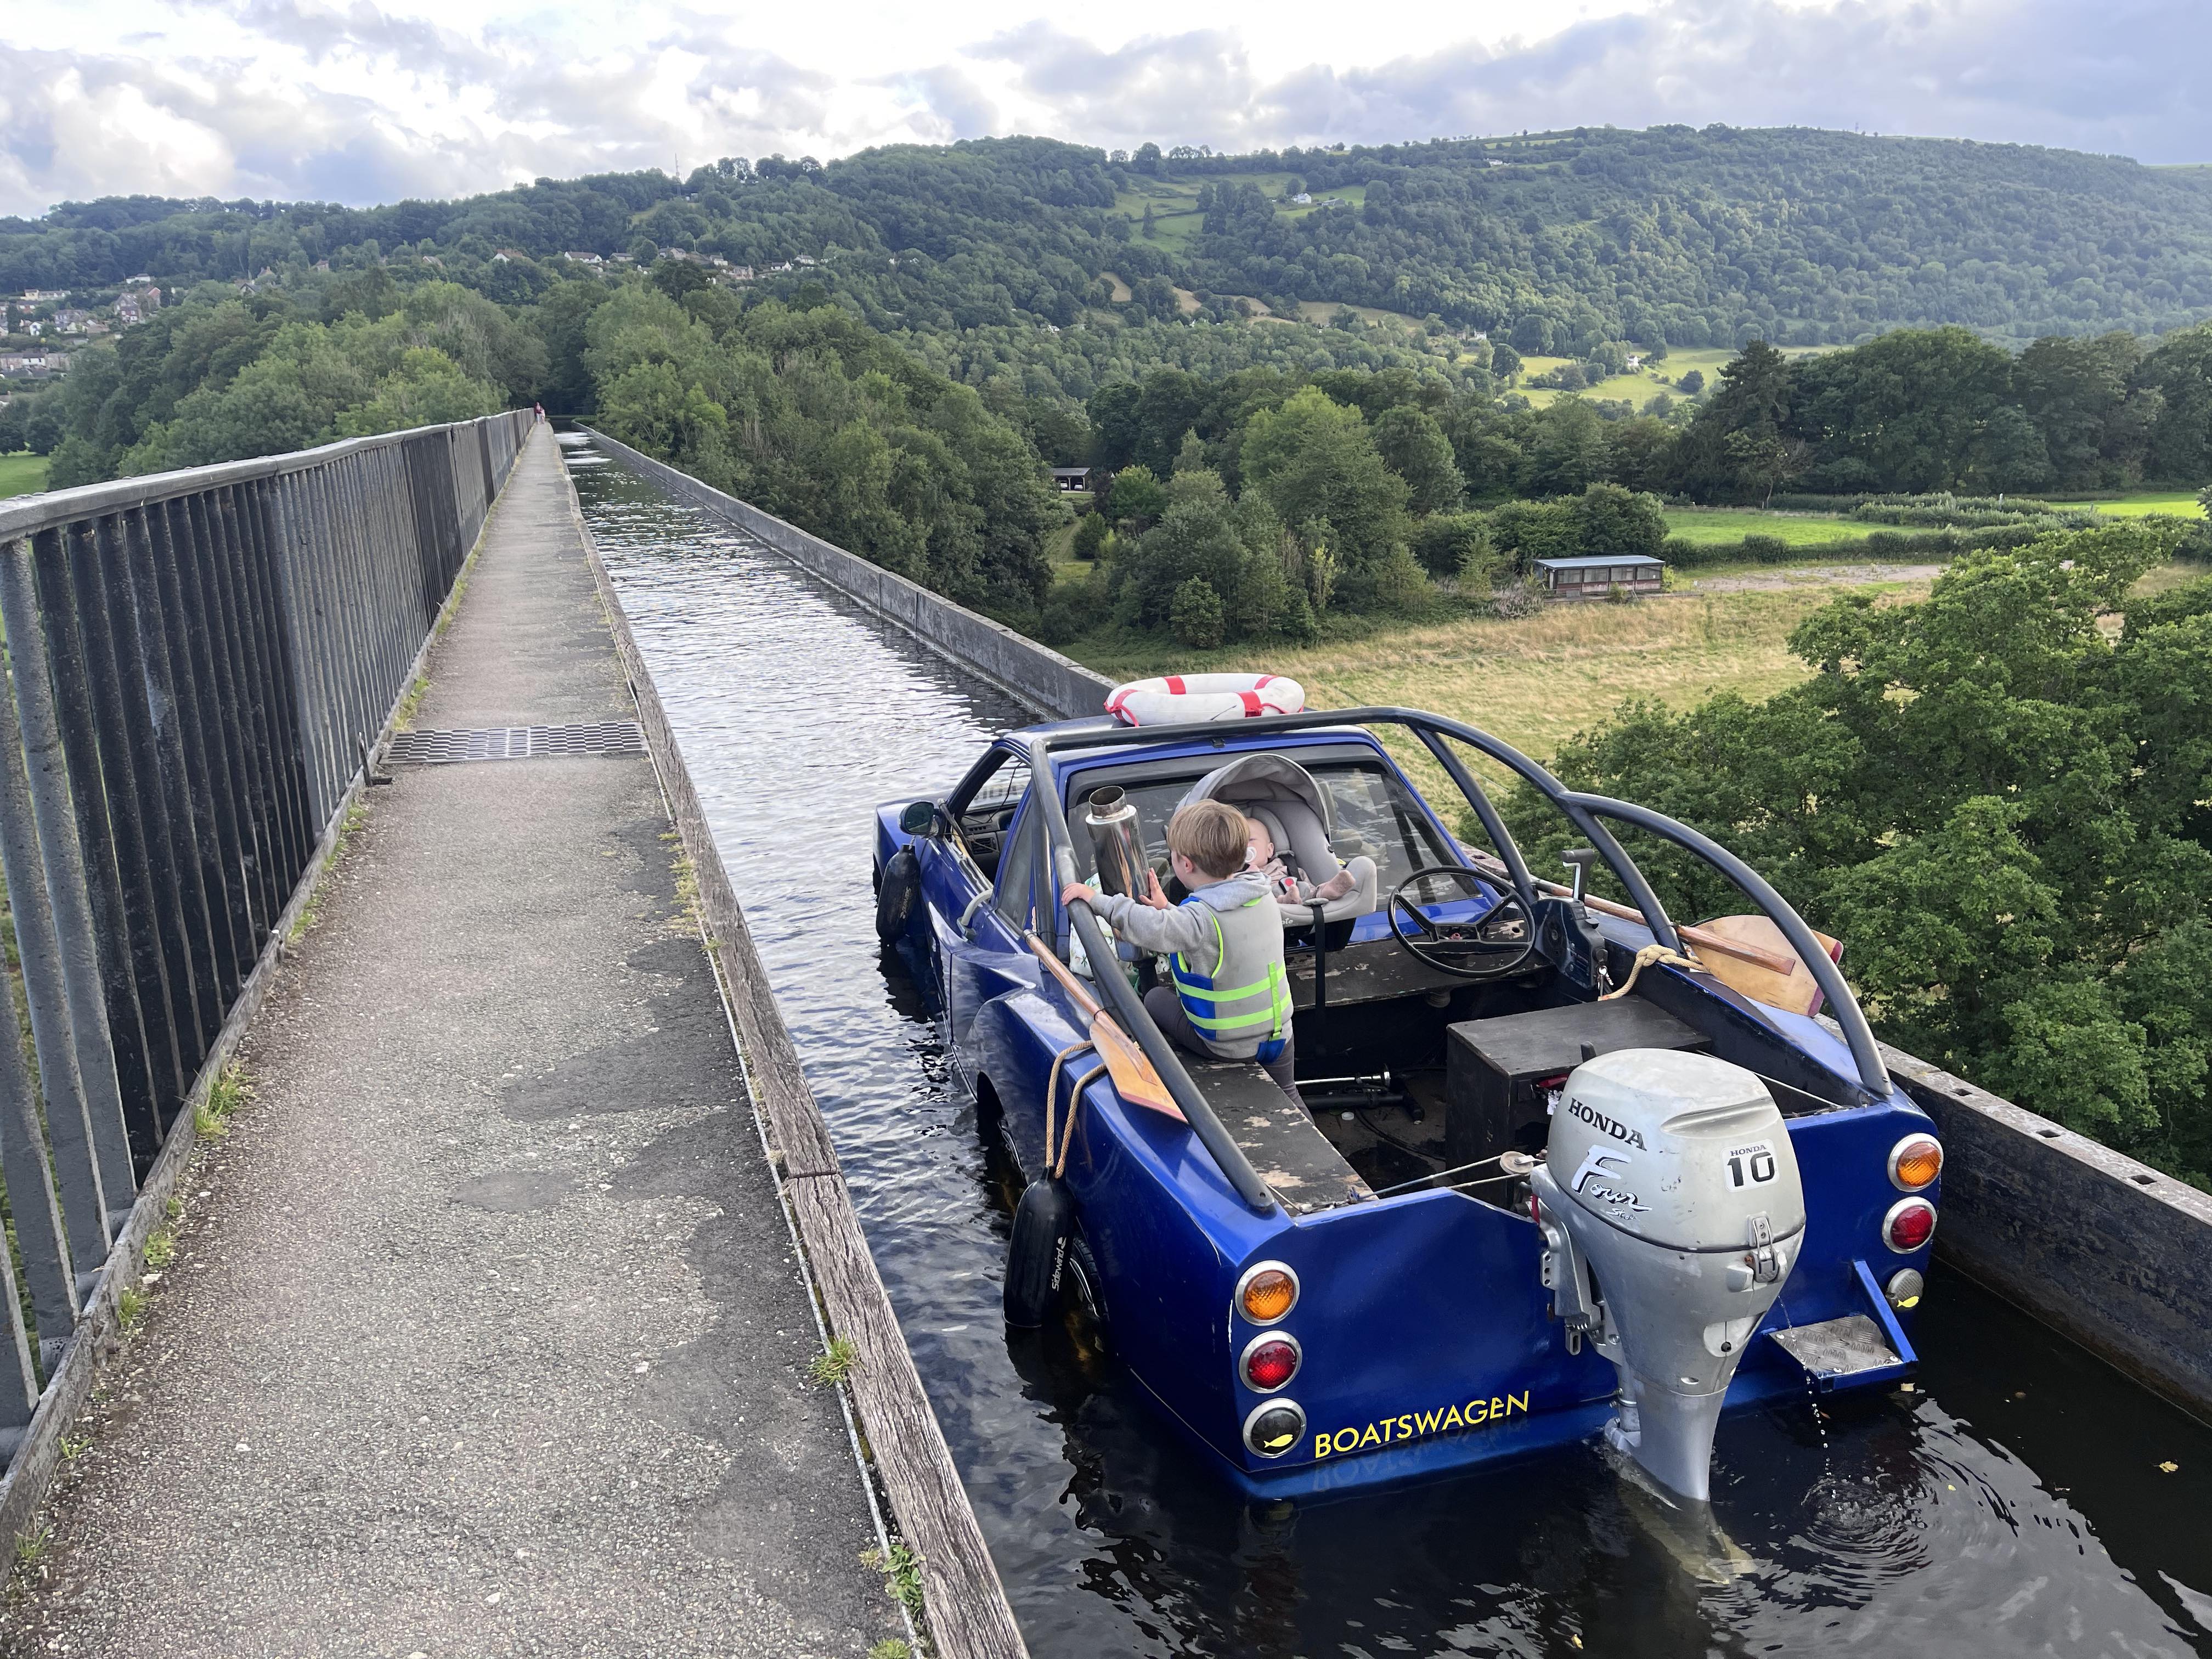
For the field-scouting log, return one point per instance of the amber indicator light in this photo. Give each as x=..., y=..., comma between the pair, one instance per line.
x=1915, y=1162
x=1268, y=1292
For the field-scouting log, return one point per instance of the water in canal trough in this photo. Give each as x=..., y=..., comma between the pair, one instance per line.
x=2020, y=1500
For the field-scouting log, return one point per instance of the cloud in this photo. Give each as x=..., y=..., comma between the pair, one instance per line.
x=2041, y=71
x=350, y=100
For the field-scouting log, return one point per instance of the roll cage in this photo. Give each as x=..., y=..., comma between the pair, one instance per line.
x=1587, y=812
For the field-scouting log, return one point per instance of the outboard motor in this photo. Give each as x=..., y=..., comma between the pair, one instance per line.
x=1671, y=1213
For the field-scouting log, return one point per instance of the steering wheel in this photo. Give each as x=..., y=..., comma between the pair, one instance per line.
x=1490, y=947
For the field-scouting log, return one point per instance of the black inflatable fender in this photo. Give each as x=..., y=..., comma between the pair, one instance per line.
x=1037, y=1254
x=897, y=887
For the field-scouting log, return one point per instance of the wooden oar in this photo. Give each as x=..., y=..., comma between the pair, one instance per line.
x=1133, y=1075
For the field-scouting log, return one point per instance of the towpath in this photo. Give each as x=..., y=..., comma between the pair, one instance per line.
x=484, y=1332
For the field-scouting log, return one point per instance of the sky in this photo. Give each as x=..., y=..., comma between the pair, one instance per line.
x=371, y=100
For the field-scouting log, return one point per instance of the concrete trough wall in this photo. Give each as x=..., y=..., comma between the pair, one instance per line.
x=1038, y=676
x=2107, y=1250
x=2093, y=1244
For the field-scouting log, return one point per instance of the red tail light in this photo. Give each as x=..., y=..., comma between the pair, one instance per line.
x=1909, y=1223
x=1271, y=1361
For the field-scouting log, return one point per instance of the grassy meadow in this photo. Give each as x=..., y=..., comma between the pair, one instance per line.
x=1535, y=681
x=21, y=474
x=2142, y=503
x=1733, y=524
x=1647, y=382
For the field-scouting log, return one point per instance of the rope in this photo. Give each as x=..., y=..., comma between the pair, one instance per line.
x=1052, y=1092
x=1423, y=1181
x=1648, y=954
x=1067, y=1135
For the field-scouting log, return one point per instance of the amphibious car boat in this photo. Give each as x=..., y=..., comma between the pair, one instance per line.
x=1564, y=1166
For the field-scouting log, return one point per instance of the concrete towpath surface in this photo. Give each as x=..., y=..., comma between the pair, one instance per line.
x=484, y=1332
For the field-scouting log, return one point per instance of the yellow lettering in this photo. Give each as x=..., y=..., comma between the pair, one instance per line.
x=1429, y=1421
x=1477, y=1412
x=1320, y=1447
x=1453, y=1420
x=1405, y=1428
x=1370, y=1438
x=1516, y=1401
x=1387, y=1426
x=1497, y=1407
x=1354, y=1446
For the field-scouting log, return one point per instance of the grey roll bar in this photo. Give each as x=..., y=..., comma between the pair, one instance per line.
x=1585, y=812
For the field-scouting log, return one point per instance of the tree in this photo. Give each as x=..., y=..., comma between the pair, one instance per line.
x=1413, y=446
x=2180, y=373
x=1691, y=383
x=1090, y=536
x=1569, y=451
x=1754, y=400
x=1195, y=617
x=1136, y=500
x=1315, y=459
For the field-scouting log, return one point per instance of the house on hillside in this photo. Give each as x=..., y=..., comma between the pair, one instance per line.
x=1594, y=576
x=1635, y=361
x=509, y=255
x=1303, y=198
x=1070, y=478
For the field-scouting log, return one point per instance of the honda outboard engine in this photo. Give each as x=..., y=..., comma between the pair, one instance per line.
x=1671, y=1213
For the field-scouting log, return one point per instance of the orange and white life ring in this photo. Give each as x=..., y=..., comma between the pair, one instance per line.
x=1173, y=699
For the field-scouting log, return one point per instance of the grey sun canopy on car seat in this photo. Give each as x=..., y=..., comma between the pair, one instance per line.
x=1283, y=796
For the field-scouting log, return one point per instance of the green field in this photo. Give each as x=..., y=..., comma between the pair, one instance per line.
x=1647, y=382
x=1728, y=523
x=2140, y=503
x=1174, y=204
x=21, y=474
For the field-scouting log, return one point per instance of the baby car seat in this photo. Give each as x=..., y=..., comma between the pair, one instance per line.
x=1283, y=795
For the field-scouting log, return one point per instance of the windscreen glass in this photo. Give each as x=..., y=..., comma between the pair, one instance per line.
x=1371, y=812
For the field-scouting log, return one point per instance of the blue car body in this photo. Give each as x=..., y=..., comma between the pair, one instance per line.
x=1427, y=1337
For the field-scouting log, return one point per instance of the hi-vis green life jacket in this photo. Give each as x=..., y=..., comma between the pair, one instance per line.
x=1243, y=1009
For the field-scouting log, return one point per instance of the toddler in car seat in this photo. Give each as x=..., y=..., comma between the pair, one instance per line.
x=1259, y=857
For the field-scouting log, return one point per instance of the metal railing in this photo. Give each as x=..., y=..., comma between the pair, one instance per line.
x=199, y=663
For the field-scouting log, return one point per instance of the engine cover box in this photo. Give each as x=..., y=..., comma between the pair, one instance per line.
x=1496, y=1071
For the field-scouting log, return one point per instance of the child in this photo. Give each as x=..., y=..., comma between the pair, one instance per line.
x=1228, y=998
x=1287, y=889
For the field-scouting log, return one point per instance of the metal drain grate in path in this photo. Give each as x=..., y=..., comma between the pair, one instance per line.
x=517, y=743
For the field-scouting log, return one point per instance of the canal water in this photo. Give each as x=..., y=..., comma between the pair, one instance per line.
x=2020, y=1499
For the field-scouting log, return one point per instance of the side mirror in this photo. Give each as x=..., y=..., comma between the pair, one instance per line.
x=919, y=817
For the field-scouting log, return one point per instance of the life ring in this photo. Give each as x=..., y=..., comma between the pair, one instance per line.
x=1174, y=699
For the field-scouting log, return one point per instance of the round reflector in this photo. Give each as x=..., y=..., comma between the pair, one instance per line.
x=1915, y=1162
x=1268, y=1292
x=1270, y=1361
x=1905, y=1288
x=1273, y=1428
x=1909, y=1223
